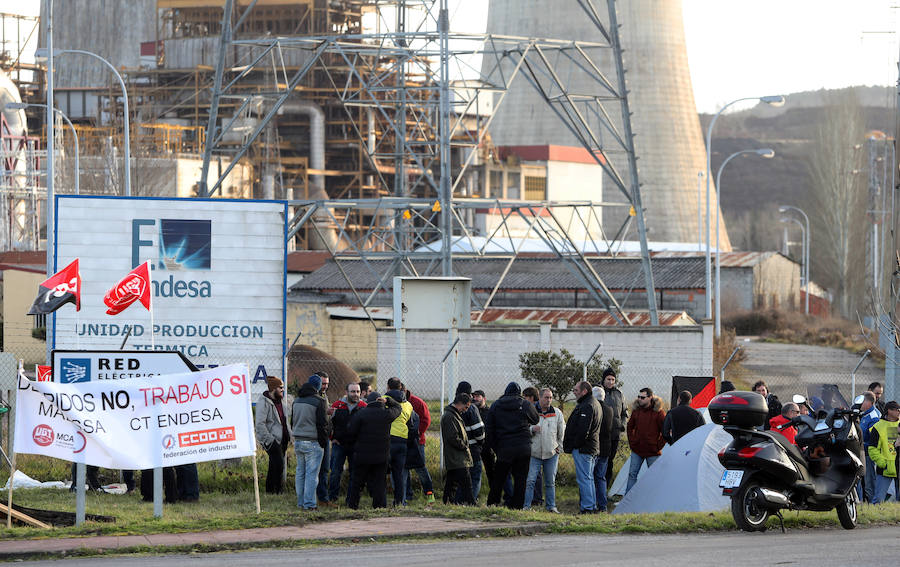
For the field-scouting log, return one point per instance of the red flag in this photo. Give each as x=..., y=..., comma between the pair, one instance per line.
x=133, y=287
x=57, y=290
x=43, y=373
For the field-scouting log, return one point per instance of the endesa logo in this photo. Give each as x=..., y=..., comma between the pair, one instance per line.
x=182, y=244
x=43, y=435
x=206, y=436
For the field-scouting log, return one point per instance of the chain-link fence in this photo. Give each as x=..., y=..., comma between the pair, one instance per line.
x=790, y=369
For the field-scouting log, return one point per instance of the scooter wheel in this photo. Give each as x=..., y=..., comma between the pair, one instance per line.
x=748, y=510
x=846, y=512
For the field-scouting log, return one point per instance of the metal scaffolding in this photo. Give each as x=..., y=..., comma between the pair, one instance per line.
x=421, y=130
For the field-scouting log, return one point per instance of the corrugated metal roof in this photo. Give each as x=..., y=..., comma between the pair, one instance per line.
x=525, y=274
x=728, y=259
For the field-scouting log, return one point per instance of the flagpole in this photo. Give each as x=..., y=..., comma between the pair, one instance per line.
x=12, y=475
x=157, y=471
x=255, y=451
x=150, y=283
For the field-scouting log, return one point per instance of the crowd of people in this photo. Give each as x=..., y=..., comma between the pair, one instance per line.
x=515, y=442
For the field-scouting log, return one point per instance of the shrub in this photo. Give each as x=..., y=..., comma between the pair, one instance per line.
x=561, y=371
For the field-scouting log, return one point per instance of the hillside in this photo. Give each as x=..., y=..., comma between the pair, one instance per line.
x=753, y=188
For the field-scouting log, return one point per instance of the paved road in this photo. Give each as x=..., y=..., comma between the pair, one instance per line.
x=788, y=369
x=819, y=548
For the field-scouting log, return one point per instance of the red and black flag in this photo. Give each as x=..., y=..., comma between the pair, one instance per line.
x=133, y=287
x=61, y=288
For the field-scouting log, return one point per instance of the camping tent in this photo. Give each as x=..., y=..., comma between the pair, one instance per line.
x=621, y=480
x=684, y=479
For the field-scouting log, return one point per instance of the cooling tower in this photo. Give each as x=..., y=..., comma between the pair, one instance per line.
x=668, y=140
x=113, y=29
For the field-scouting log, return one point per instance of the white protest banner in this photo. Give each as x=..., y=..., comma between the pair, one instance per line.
x=144, y=423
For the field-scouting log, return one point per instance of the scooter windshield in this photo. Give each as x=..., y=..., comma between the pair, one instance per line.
x=825, y=396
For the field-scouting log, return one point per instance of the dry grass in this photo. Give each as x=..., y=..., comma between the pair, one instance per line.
x=797, y=328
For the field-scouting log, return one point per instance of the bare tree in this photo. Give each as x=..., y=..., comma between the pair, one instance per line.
x=838, y=191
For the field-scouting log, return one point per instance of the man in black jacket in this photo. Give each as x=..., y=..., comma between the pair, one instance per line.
x=582, y=440
x=616, y=400
x=475, y=434
x=479, y=400
x=341, y=447
x=508, y=432
x=681, y=420
x=370, y=433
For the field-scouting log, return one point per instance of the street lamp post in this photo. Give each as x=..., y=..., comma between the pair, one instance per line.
x=39, y=53
x=807, y=246
x=763, y=153
x=775, y=100
x=804, y=250
x=23, y=105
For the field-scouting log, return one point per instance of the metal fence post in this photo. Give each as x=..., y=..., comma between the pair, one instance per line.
x=853, y=375
x=727, y=362
x=444, y=390
x=588, y=361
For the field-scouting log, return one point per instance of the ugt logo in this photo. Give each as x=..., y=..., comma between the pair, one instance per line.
x=42, y=435
x=182, y=244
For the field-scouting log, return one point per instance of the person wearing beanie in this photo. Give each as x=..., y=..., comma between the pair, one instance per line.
x=272, y=432
x=309, y=424
x=508, y=433
x=475, y=434
x=457, y=454
x=488, y=458
x=615, y=400
x=370, y=433
x=400, y=429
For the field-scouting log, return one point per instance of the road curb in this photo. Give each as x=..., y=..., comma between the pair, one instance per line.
x=232, y=540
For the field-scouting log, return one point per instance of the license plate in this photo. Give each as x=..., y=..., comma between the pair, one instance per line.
x=731, y=479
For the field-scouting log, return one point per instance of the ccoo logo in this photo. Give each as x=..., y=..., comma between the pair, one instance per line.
x=168, y=442
x=42, y=435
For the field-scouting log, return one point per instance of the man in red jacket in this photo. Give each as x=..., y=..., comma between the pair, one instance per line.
x=645, y=427
x=421, y=409
x=779, y=422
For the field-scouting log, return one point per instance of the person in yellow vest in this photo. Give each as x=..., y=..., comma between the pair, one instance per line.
x=883, y=440
x=399, y=436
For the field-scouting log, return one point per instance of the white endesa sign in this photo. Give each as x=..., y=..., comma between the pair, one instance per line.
x=139, y=424
x=218, y=272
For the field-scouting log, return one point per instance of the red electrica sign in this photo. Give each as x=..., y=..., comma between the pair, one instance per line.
x=206, y=436
x=43, y=435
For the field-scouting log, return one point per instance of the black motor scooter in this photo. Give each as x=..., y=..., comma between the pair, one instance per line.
x=765, y=473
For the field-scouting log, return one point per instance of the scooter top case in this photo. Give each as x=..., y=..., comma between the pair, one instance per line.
x=739, y=409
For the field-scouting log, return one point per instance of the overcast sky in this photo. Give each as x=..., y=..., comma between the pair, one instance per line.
x=741, y=48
